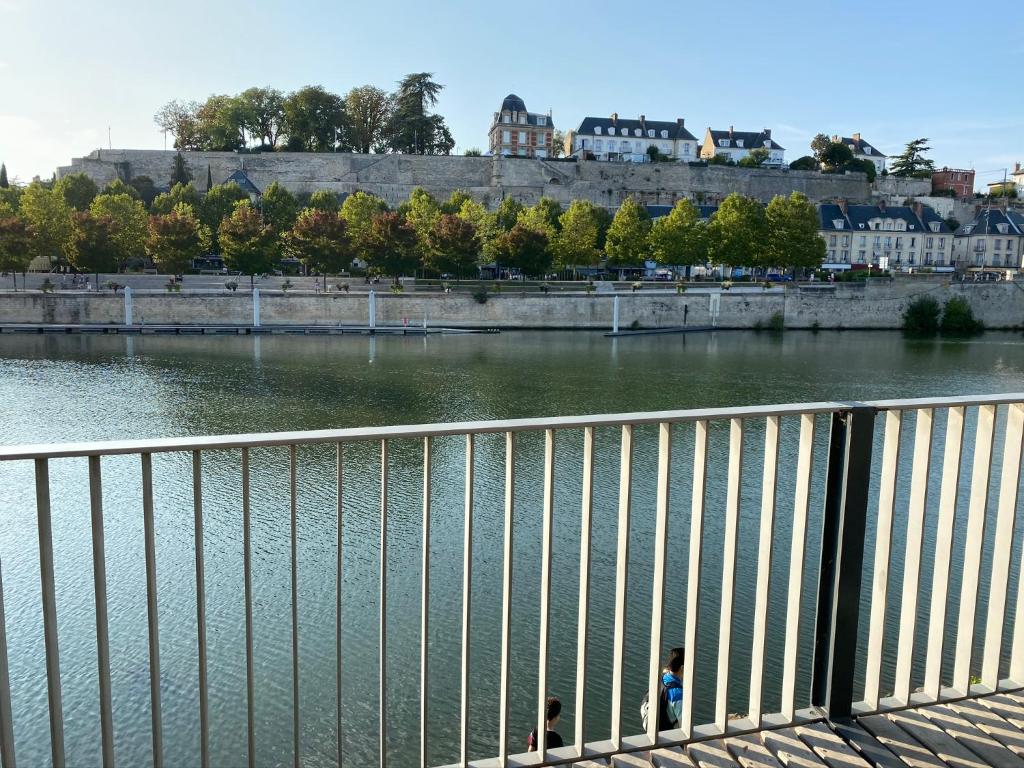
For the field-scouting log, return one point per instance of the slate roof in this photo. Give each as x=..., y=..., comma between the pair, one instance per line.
x=986, y=222
x=675, y=130
x=513, y=103
x=857, y=217
x=751, y=139
x=858, y=147
x=242, y=179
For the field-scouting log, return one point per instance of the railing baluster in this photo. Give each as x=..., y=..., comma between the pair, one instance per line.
x=1009, y=484
x=700, y=476
x=1017, y=648
x=583, y=618
x=804, y=465
x=912, y=555
x=250, y=677
x=467, y=589
x=294, y=541
x=506, y=597
x=99, y=569
x=658, y=588
x=545, y=591
x=6, y=720
x=621, y=578
x=952, y=455
x=53, y=693
x=883, y=551
x=151, y=609
x=731, y=539
x=197, y=506
x=769, y=479
x=382, y=647
x=976, y=512
x=338, y=584
x=425, y=601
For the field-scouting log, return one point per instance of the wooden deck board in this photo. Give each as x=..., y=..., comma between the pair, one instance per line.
x=946, y=748
x=867, y=746
x=1007, y=707
x=900, y=743
x=972, y=737
x=711, y=754
x=835, y=752
x=671, y=757
x=789, y=750
x=749, y=752
x=1003, y=731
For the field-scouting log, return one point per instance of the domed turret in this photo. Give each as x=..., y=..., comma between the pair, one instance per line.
x=513, y=103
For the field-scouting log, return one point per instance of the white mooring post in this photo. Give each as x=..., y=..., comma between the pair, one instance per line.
x=255, y=307
x=373, y=310
x=615, y=315
x=127, y=305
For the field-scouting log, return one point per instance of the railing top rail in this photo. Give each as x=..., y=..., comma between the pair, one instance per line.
x=362, y=434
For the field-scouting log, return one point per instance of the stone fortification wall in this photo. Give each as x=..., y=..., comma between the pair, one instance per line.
x=999, y=305
x=488, y=179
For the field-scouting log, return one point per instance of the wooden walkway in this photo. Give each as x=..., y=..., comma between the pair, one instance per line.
x=972, y=733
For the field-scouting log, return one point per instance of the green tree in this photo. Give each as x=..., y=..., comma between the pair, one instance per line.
x=280, y=208
x=557, y=148
x=452, y=246
x=805, y=163
x=131, y=224
x=314, y=120
x=11, y=197
x=524, y=249
x=921, y=317
x=864, y=166
x=721, y=159
x=175, y=239
x=819, y=146
x=145, y=188
x=179, y=119
x=246, y=243
x=324, y=200
x=358, y=210
x=680, y=238
x=118, y=187
x=209, y=177
x=320, y=240
x=507, y=213
x=958, y=318
x=220, y=123
x=952, y=223
x=626, y=242
x=180, y=194
x=180, y=173
x=94, y=247
x=793, y=239
x=413, y=129
x=578, y=242
x=836, y=155
x=738, y=232
x=421, y=211
x=757, y=157
x=484, y=224
x=218, y=203
x=4, y=184
x=544, y=216
x=15, y=246
x=49, y=216
x=262, y=114
x=912, y=161
x=473, y=152
x=455, y=201
x=368, y=112
x=393, y=246
x=77, y=189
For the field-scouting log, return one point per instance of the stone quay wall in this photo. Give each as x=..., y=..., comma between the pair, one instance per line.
x=998, y=305
x=489, y=179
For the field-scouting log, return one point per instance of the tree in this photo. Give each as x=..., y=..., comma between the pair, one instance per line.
x=220, y=123
x=246, y=243
x=358, y=210
x=175, y=239
x=952, y=223
x=738, y=232
x=178, y=118
x=11, y=197
x=819, y=145
x=368, y=112
x=94, y=248
x=118, y=187
x=455, y=201
x=805, y=163
x=836, y=155
x=77, y=189
x=557, y=143
x=680, y=238
x=421, y=211
x=626, y=243
x=525, y=249
x=180, y=173
x=473, y=152
x=320, y=240
x=15, y=246
x=507, y=213
x=324, y=200
x=452, y=246
x=130, y=224
x=721, y=158
x=145, y=188
x=219, y=203
x=314, y=120
x=544, y=216
x=262, y=114
x=578, y=242
x=793, y=239
x=755, y=159
x=4, y=184
x=393, y=247
x=209, y=177
x=280, y=208
x=912, y=161
x=484, y=224
x=49, y=216
x=864, y=166
x=413, y=129
x=180, y=194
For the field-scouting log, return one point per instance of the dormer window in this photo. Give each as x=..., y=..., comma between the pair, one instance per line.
x=542, y=120
x=723, y=142
x=767, y=143
x=522, y=119
x=650, y=133
x=934, y=225
x=1002, y=228
x=637, y=132
x=968, y=229
x=664, y=134
x=837, y=223
x=624, y=131
x=739, y=142
x=867, y=150
x=597, y=130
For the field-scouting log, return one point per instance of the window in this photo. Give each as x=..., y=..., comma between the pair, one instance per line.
x=624, y=145
x=928, y=242
x=637, y=132
x=899, y=242
x=542, y=120
x=739, y=142
x=862, y=241
x=867, y=150
x=506, y=137
x=846, y=256
x=521, y=151
x=650, y=133
x=686, y=149
x=522, y=119
x=942, y=242
x=522, y=137
x=860, y=256
x=927, y=257
x=888, y=243
x=540, y=139
x=597, y=130
x=624, y=131
x=831, y=255
x=598, y=145
x=878, y=241
x=664, y=134
x=832, y=240
x=1009, y=243
x=846, y=240
x=723, y=142
x=913, y=242
x=998, y=243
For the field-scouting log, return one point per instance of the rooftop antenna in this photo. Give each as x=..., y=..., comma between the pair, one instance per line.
x=109, y=144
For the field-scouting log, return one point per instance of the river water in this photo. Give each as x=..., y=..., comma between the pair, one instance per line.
x=62, y=388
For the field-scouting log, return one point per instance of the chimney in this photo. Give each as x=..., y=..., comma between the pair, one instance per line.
x=615, y=117
x=730, y=131
x=835, y=138
x=767, y=133
x=643, y=119
x=856, y=138
x=682, y=124
x=881, y=205
x=919, y=210
x=842, y=203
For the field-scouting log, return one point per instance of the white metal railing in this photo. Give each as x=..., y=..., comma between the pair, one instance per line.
x=852, y=475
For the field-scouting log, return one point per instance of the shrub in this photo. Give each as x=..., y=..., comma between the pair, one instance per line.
x=47, y=286
x=958, y=318
x=777, y=322
x=397, y=288
x=921, y=317
x=480, y=294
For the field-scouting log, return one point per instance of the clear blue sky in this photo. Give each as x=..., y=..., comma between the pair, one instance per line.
x=893, y=70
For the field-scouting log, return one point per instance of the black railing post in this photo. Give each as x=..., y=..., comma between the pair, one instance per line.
x=842, y=559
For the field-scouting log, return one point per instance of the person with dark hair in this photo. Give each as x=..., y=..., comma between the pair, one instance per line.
x=670, y=693
x=553, y=714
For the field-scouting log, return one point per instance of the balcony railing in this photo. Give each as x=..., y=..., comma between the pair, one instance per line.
x=814, y=508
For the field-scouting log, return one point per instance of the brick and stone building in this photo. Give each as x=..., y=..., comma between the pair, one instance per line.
x=516, y=131
x=957, y=180
x=906, y=237
x=627, y=139
x=994, y=238
x=738, y=144
x=862, y=150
